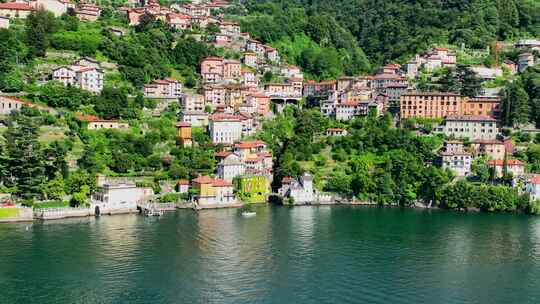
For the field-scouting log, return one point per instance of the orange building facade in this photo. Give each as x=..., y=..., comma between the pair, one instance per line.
x=440, y=105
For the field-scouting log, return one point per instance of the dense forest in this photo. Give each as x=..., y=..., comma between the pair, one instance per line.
x=395, y=30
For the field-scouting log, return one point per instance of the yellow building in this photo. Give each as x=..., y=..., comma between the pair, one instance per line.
x=184, y=134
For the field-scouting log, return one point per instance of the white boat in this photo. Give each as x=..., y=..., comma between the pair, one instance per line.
x=154, y=212
x=248, y=213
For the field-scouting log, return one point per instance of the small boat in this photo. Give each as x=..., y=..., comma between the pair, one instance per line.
x=249, y=213
x=154, y=212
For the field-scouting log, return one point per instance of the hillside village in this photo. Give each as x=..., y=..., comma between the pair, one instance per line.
x=213, y=134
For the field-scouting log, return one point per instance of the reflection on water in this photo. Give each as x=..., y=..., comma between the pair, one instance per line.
x=283, y=255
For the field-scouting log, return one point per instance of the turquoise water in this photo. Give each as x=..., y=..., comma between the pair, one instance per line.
x=283, y=255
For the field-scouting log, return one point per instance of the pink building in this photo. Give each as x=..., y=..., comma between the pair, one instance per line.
x=212, y=69
x=163, y=88
x=250, y=59
x=232, y=69
x=179, y=21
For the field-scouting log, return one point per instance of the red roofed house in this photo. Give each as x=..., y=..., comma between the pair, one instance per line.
x=9, y=104
x=261, y=101
x=336, y=132
x=163, y=88
x=513, y=166
x=212, y=69
x=15, y=9
x=94, y=123
x=182, y=186
x=179, y=21
x=213, y=192
x=88, y=12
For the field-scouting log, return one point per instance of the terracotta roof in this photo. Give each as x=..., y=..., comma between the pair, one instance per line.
x=183, y=125
x=224, y=117
x=535, y=179
x=203, y=180
x=250, y=144
x=335, y=129
x=16, y=6
x=86, y=117
x=500, y=162
x=223, y=154
x=221, y=183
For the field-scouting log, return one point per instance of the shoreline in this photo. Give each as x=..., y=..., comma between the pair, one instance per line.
x=189, y=206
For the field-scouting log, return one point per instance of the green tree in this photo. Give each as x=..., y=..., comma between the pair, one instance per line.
x=40, y=25
x=25, y=157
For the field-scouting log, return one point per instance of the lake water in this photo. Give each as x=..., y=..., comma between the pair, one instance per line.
x=283, y=255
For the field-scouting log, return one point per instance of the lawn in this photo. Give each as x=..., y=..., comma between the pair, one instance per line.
x=9, y=212
x=52, y=204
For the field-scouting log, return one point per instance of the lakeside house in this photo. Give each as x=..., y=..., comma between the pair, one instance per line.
x=299, y=191
x=182, y=186
x=212, y=192
x=532, y=187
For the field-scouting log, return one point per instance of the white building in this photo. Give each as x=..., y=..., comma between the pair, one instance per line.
x=9, y=104
x=163, y=88
x=86, y=78
x=195, y=118
x=532, y=186
x=57, y=7
x=193, y=102
x=230, y=167
x=525, y=60
x=4, y=22
x=457, y=161
x=300, y=191
x=225, y=128
x=469, y=126
x=121, y=193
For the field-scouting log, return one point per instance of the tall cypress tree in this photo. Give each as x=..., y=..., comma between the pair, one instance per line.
x=24, y=154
